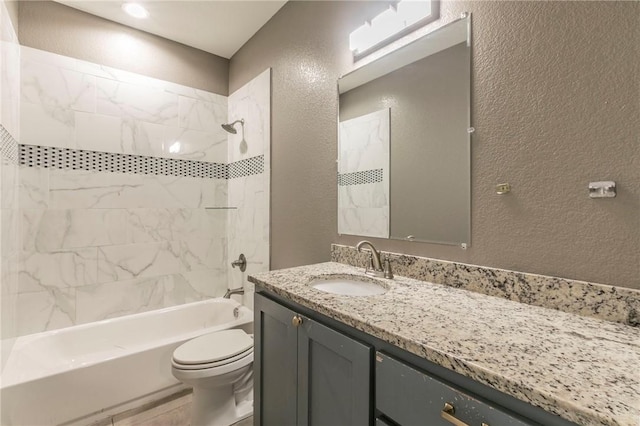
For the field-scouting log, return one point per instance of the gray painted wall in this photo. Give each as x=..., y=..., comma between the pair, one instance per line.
x=12, y=8
x=56, y=28
x=555, y=105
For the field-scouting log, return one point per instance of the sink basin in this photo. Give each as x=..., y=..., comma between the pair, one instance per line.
x=347, y=285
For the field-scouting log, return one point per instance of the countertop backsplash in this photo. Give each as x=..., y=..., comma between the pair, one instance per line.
x=617, y=304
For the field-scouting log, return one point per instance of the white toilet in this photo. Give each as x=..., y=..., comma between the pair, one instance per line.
x=219, y=368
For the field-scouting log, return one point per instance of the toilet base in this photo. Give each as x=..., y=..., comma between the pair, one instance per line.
x=224, y=412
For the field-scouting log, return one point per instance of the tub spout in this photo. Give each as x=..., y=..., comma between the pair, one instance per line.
x=230, y=292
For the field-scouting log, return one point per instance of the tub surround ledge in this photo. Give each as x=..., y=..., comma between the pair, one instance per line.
x=577, y=367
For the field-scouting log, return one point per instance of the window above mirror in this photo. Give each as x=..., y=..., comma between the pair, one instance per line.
x=399, y=19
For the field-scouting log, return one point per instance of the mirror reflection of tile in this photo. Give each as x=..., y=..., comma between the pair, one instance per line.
x=363, y=175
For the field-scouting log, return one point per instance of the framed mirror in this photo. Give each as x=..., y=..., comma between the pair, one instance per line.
x=404, y=141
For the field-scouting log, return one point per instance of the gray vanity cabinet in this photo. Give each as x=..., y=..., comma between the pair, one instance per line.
x=409, y=397
x=307, y=374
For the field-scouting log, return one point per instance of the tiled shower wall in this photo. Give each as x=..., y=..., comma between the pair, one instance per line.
x=128, y=212
x=9, y=136
x=248, y=231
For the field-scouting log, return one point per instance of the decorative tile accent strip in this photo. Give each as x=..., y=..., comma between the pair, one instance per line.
x=78, y=159
x=247, y=167
x=359, y=178
x=617, y=304
x=8, y=146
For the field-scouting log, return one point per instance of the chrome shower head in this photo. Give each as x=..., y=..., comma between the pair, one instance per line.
x=229, y=127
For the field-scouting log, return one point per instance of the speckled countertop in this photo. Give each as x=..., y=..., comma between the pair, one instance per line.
x=583, y=369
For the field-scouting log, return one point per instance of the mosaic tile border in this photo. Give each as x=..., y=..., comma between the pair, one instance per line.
x=617, y=304
x=78, y=159
x=360, y=178
x=247, y=167
x=8, y=146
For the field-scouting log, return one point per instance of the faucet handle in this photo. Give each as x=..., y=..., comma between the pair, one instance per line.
x=370, y=266
x=388, y=273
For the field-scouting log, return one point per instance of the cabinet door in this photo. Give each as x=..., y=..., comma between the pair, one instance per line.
x=411, y=397
x=334, y=373
x=275, y=371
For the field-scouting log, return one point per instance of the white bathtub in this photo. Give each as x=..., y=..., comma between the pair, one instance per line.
x=81, y=374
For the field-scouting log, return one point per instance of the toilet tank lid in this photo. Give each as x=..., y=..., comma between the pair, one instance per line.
x=213, y=347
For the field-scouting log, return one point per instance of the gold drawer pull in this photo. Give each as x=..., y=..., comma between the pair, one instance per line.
x=296, y=321
x=448, y=412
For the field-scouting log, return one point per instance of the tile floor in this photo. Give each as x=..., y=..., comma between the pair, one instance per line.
x=174, y=410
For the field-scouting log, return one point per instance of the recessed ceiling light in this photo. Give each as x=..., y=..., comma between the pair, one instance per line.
x=136, y=10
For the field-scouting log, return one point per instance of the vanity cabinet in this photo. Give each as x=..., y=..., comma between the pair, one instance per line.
x=307, y=373
x=409, y=396
x=313, y=370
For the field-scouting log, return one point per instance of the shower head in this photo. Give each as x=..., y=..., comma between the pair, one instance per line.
x=229, y=127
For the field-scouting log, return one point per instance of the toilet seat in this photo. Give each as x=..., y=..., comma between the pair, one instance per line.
x=203, y=366
x=213, y=350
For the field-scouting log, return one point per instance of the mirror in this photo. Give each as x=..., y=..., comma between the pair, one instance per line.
x=404, y=141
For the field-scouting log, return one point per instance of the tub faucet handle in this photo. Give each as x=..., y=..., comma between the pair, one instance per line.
x=240, y=262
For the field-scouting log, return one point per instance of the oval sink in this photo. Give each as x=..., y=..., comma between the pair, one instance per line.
x=349, y=285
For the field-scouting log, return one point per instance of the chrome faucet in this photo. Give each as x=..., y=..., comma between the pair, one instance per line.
x=374, y=259
x=230, y=292
x=375, y=267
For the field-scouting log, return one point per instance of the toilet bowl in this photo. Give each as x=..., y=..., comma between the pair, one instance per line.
x=219, y=368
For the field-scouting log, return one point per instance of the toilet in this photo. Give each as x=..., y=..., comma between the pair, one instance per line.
x=219, y=368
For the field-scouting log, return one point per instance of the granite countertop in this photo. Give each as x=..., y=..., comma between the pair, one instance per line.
x=583, y=369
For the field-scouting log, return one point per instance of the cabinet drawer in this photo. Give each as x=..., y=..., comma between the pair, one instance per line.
x=411, y=397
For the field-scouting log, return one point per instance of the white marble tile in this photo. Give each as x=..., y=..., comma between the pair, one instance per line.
x=248, y=224
x=202, y=223
x=45, y=310
x=364, y=195
x=33, y=188
x=203, y=253
x=154, y=225
x=252, y=103
x=123, y=262
x=81, y=189
x=9, y=236
x=178, y=290
x=193, y=192
x=60, y=269
x=160, y=140
x=8, y=301
x=46, y=125
x=9, y=181
x=57, y=87
x=207, y=282
x=45, y=57
x=137, y=101
x=199, y=114
x=10, y=81
x=114, y=299
x=51, y=230
x=97, y=132
x=364, y=142
x=367, y=222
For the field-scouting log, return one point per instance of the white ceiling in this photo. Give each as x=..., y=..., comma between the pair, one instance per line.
x=218, y=27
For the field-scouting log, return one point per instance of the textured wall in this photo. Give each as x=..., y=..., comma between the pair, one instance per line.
x=555, y=100
x=50, y=26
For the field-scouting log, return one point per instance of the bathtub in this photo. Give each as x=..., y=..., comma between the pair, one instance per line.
x=81, y=374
